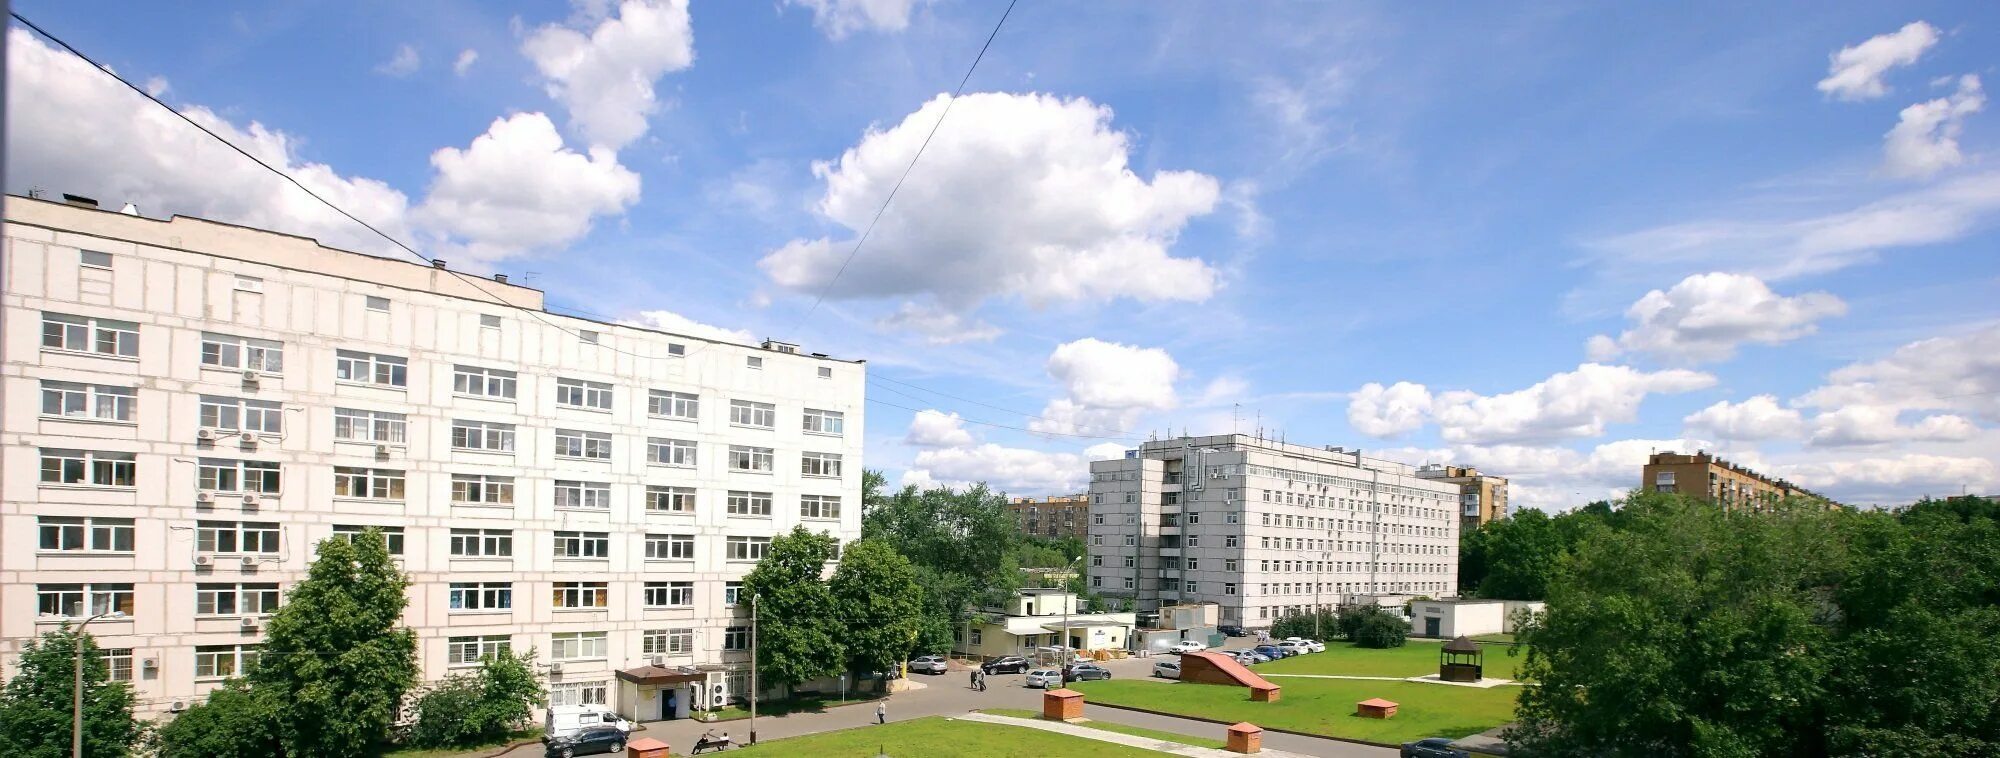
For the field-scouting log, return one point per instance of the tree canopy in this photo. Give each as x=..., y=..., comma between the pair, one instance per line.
x=36, y=704
x=879, y=605
x=963, y=544
x=798, y=629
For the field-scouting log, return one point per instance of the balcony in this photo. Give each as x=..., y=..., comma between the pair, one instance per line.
x=1170, y=552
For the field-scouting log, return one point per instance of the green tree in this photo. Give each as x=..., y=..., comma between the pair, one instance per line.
x=234, y=722
x=963, y=544
x=1382, y=629
x=37, y=705
x=798, y=628
x=472, y=710
x=879, y=604
x=335, y=660
x=1313, y=625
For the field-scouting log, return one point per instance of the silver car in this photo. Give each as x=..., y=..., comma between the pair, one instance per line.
x=1167, y=669
x=1044, y=678
x=929, y=664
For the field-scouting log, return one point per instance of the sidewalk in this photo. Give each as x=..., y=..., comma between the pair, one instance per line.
x=1085, y=732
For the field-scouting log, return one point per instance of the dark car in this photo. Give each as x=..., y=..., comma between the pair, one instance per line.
x=591, y=741
x=1269, y=651
x=1084, y=672
x=1231, y=630
x=1012, y=664
x=1433, y=747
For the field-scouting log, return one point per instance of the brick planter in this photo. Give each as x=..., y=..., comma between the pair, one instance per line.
x=1245, y=737
x=1062, y=705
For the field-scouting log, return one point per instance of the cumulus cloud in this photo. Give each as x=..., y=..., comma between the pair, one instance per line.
x=839, y=18
x=1576, y=403
x=466, y=58
x=1925, y=138
x=1959, y=372
x=605, y=77
x=1874, y=425
x=404, y=63
x=1107, y=387
x=1706, y=316
x=1893, y=480
x=517, y=188
x=1379, y=411
x=1555, y=478
x=933, y=428
x=669, y=321
x=1023, y=195
x=1012, y=469
x=1758, y=418
x=1856, y=71
x=939, y=326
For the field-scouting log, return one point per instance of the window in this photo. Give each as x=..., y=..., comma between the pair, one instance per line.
x=824, y=422
x=376, y=303
x=249, y=283
x=681, y=405
x=118, y=661
x=594, y=496
x=392, y=536
x=747, y=548
x=1228, y=588
x=676, y=349
x=1663, y=478
x=667, y=642
x=83, y=600
x=746, y=413
x=1193, y=588
x=587, y=336
x=742, y=503
x=752, y=459
x=1131, y=561
x=669, y=594
x=489, y=321
x=1128, y=582
x=89, y=468
x=228, y=352
x=570, y=646
x=95, y=259
x=1229, y=564
x=571, y=443
x=467, y=651
x=1232, y=518
x=1097, y=561
x=85, y=535
x=235, y=537
x=582, y=545
x=367, y=483
x=976, y=634
x=235, y=599
x=234, y=414
x=1192, y=563
x=670, y=547
x=487, y=436
x=483, y=382
x=1097, y=540
x=90, y=335
x=1097, y=519
x=582, y=595
x=668, y=452
x=369, y=368
x=482, y=543
x=669, y=499
x=1130, y=540
x=819, y=506
x=754, y=362
x=577, y=393
x=223, y=661
x=476, y=489
x=1097, y=581
x=736, y=638
x=820, y=464
x=382, y=427
x=96, y=402
x=578, y=693
x=825, y=372
x=732, y=593
x=482, y=596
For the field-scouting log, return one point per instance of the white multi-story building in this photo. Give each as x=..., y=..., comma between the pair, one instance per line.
x=1263, y=528
x=190, y=407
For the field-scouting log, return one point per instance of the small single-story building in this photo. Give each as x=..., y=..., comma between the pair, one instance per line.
x=1043, y=618
x=1445, y=619
x=652, y=693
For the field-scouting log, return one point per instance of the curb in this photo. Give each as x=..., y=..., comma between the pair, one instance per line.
x=508, y=748
x=746, y=717
x=1292, y=732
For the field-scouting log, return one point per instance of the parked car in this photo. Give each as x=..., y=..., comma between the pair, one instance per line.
x=565, y=720
x=1433, y=747
x=1084, y=672
x=1167, y=669
x=1252, y=658
x=1010, y=664
x=929, y=664
x=1270, y=652
x=1289, y=647
x=592, y=741
x=1232, y=630
x=1044, y=678
x=1311, y=646
x=1188, y=646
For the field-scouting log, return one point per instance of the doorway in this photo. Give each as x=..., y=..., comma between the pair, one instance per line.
x=1431, y=626
x=669, y=703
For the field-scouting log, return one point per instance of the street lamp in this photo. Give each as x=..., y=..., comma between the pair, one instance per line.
x=76, y=711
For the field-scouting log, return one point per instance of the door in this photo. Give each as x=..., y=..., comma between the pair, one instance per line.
x=1431, y=627
x=669, y=703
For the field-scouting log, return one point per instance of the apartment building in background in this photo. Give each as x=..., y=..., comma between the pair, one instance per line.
x=1053, y=516
x=1718, y=481
x=1263, y=528
x=191, y=407
x=1482, y=498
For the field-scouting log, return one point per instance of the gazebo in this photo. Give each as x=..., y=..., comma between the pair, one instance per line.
x=1461, y=660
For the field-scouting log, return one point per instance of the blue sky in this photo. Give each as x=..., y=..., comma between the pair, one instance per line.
x=1540, y=241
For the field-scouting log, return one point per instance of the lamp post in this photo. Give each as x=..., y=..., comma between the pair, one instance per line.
x=76, y=710
x=753, y=669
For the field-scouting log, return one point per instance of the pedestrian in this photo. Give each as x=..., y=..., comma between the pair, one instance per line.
x=881, y=713
x=974, y=681
x=982, y=681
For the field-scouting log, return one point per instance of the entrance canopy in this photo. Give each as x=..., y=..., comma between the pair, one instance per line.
x=660, y=675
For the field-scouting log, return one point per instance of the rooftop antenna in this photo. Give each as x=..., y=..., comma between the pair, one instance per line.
x=1235, y=415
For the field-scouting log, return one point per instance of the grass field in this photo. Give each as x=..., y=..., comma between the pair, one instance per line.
x=1416, y=658
x=525, y=734
x=1324, y=706
x=937, y=736
x=1136, y=731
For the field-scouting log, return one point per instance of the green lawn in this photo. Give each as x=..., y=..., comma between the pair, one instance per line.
x=1323, y=706
x=1412, y=659
x=1136, y=731
x=802, y=703
x=525, y=734
x=937, y=736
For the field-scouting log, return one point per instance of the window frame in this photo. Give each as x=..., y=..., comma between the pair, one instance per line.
x=122, y=402
x=92, y=332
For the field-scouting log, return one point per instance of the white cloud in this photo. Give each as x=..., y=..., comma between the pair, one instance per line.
x=939, y=326
x=1107, y=387
x=1925, y=138
x=1379, y=411
x=1023, y=195
x=1894, y=480
x=517, y=189
x=669, y=321
x=466, y=58
x=1559, y=478
x=1300, y=112
x=932, y=428
x=1706, y=316
x=1011, y=469
x=1222, y=389
x=404, y=63
x=839, y=18
x=1758, y=418
x=1942, y=373
x=1570, y=404
x=1856, y=72
x=605, y=79
x=157, y=86
x=1874, y=425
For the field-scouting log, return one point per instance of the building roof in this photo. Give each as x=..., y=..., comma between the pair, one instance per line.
x=1376, y=702
x=655, y=675
x=1461, y=644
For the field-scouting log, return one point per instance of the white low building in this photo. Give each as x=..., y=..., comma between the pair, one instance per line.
x=1446, y=619
x=1039, y=619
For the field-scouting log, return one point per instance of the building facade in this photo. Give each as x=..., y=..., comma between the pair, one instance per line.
x=1263, y=528
x=1053, y=516
x=191, y=407
x=1035, y=621
x=1482, y=498
x=1718, y=481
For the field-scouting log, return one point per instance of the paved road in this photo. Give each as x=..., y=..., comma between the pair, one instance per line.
x=948, y=695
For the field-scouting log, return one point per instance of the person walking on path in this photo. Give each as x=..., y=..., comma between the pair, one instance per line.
x=982, y=681
x=881, y=713
x=974, y=683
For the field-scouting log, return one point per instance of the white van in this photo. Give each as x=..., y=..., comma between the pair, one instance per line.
x=565, y=720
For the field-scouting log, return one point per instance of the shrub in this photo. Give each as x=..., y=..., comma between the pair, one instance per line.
x=234, y=722
x=468, y=711
x=1382, y=629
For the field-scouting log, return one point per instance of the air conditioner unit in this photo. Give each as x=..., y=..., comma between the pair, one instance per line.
x=204, y=559
x=150, y=663
x=178, y=706
x=249, y=561
x=250, y=501
x=204, y=496
x=381, y=451
x=205, y=435
x=555, y=668
x=659, y=660
x=249, y=438
x=249, y=376
x=250, y=622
